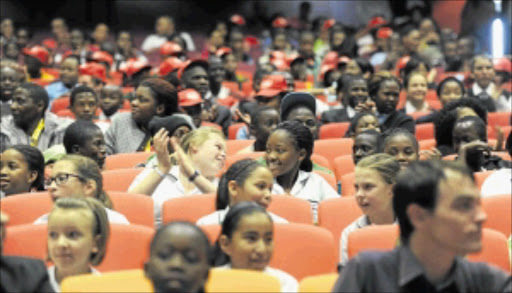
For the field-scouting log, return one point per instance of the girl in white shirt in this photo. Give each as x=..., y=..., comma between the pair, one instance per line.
x=245, y=180
x=247, y=242
x=288, y=157
x=200, y=154
x=78, y=232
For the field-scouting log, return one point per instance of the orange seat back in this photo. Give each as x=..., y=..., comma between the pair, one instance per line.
x=329, y=177
x=137, y=208
x=121, y=281
x=25, y=208
x=126, y=160
x=119, y=179
x=320, y=283
x=499, y=213
x=233, y=129
x=334, y=130
x=188, y=208
x=336, y=214
x=499, y=118
x=60, y=104
x=235, y=280
x=347, y=184
x=235, y=145
x=494, y=251
x=427, y=144
x=293, y=209
x=425, y=131
x=332, y=148
x=343, y=165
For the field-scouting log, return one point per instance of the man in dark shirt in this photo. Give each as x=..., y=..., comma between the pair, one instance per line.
x=438, y=208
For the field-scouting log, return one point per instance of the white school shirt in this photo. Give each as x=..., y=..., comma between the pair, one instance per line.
x=288, y=282
x=311, y=187
x=498, y=183
x=359, y=223
x=53, y=279
x=502, y=103
x=170, y=187
x=217, y=217
x=113, y=218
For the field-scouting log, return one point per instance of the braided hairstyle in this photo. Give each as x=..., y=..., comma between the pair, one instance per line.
x=302, y=139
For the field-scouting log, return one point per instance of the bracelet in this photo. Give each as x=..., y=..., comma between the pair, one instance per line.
x=193, y=176
x=162, y=175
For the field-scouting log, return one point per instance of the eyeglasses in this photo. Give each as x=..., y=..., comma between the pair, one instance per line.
x=61, y=179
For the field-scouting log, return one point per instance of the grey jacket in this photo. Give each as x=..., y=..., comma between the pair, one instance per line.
x=52, y=134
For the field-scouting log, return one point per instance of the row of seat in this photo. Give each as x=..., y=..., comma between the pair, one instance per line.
x=218, y=281
x=128, y=246
x=333, y=214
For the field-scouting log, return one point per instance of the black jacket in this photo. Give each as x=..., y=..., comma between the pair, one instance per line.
x=18, y=274
x=334, y=115
x=399, y=119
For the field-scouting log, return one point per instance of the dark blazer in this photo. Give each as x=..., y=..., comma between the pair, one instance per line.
x=223, y=118
x=399, y=119
x=334, y=115
x=18, y=274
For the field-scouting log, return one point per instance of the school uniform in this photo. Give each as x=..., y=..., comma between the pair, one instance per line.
x=53, y=278
x=217, y=217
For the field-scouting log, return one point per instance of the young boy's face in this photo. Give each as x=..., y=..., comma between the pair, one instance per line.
x=483, y=72
x=111, y=100
x=267, y=123
x=85, y=105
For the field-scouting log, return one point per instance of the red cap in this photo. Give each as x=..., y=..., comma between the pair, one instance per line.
x=223, y=51
x=133, y=66
x=171, y=48
x=328, y=23
x=237, y=19
x=274, y=82
x=168, y=65
x=252, y=40
x=280, y=22
x=326, y=68
x=273, y=55
x=331, y=58
x=384, y=32
x=102, y=56
x=376, y=22
x=94, y=69
x=189, y=97
x=188, y=63
x=49, y=43
x=502, y=64
x=344, y=59
x=400, y=64
x=280, y=64
x=38, y=52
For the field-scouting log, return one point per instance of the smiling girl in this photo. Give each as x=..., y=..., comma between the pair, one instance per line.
x=247, y=242
x=21, y=170
x=245, y=180
x=288, y=157
x=402, y=145
x=375, y=176
x=78, y=232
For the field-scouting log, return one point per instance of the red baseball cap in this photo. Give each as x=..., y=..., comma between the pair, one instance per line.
x=223, y=51
x=102, y=56
x=331, y=58
x=326, y=68
x=237, y=19
x=376, y=22
x=502, y=64
x=400, y=64
x=280, y=22
x=274, y=82
x=133, y=66
x=189, y=63
x=189, y=97
x=328, y=23
x=49, y=43
x=168, y=65
x=171, y=48
x=94, y=69
x=38, y=52
x=384, y=32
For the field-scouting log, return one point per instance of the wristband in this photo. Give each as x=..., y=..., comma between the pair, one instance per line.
x=162, y=175
x=193, y=176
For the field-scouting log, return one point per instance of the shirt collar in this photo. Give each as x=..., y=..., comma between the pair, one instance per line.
x=477, y=89
x=409, y=268
x=350, y=112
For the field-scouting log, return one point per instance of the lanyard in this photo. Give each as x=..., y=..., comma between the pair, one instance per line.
x=37, y=133
x=147, y=148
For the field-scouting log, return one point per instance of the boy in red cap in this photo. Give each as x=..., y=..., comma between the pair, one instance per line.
x=190, y=101
x=92, y=75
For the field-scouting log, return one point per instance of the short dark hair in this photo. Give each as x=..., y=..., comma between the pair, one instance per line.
x=78, y=133
x=411, y=66
x=419, y=184
x=303, y=139
x=346, y=80
x=473, y=60
x=374, y=133
x=353, y=122
x=479, y=125
x=202, y=236
x=37, y=93
x=393, y=132
x=448, y=79
x=79, y=90
x=374, y=86
x=164, y=93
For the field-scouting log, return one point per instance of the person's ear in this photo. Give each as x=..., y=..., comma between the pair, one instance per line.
x=96, y=245
x=418, y=216
x=233, y=189
x=32, y=177
x=90, y=187
x=302, y=155
x=224, y=244
x=40, y=107
x=160, y=110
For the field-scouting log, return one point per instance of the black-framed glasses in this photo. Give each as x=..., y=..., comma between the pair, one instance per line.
x=61, y=179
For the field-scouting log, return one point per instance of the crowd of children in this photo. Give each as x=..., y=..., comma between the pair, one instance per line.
x=68, y=103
